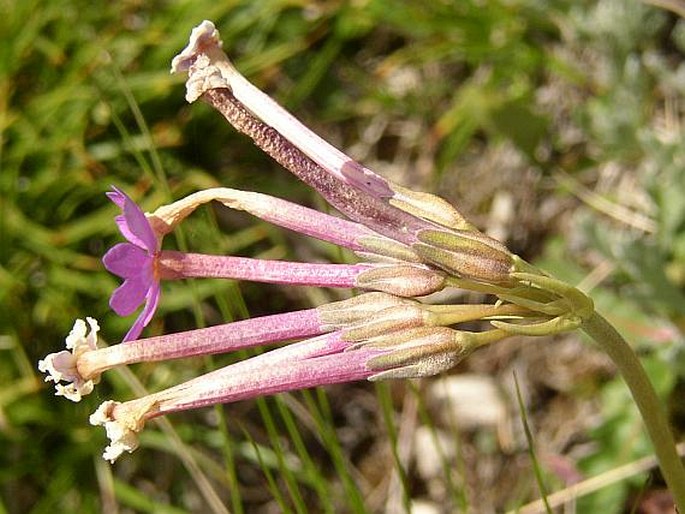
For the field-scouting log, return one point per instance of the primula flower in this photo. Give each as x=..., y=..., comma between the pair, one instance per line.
x=366, y=318
x=319, y=361
x=76, y=369
x=371, y=336
x=413, y=244
x=143, y=265
x=135, y=262
x=388, y=348
x=431, y=229
x=63, y=366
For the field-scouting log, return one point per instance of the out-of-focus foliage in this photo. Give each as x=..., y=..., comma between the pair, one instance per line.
x=555, y=125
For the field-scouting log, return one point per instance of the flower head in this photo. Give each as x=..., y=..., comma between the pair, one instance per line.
x=412, y=244
x=62, y=366
x=413, y=220
x=135, y=262
x=317, y=361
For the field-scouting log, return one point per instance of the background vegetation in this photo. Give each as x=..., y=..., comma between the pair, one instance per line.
x=555, y=125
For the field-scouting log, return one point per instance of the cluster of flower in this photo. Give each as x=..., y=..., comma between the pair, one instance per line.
x=409, y=245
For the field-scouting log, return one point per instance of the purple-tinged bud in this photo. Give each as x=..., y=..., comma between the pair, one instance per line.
x=467, y=254
x=402, y=280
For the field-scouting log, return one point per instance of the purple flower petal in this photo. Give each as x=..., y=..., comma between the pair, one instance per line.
x=117, y=196
x=129, y=295
x=134, y=262
x=121, y=222
x=146, y=315
x=139, y=225
x=126, y=260
x=134, y=332
x=153, y=295
x=133, y=224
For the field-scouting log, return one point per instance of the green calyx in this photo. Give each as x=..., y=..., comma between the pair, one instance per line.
x=425, y=351
x=466, y=254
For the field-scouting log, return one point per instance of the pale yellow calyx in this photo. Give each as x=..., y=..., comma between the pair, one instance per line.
x=62, y=366
x=404, y=280
x=358, y=309
x=467, y=254
x=424, y=351
x=429, y=207
x=386, y=321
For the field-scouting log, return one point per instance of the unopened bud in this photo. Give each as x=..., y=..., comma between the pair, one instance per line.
x=402, y=280
x=468, y=254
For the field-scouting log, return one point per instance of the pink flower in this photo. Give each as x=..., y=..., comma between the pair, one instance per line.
x=142, y=264
x=371, y=336
x=135, y=262
x=318, y=361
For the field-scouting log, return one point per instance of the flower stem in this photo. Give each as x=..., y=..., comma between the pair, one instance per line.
x=204, y=341
x=175, y=265
x=653, y=415
x=452, y=314
x=355, y=203
x=274, y=210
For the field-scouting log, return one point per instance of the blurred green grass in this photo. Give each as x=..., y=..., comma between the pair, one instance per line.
x=522, y=103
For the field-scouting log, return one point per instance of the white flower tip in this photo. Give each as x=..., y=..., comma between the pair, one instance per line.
x=75, y=391
x=122, y=433
x=202, y=38
x=62, y=366
x=204, y=61
x=80, y=339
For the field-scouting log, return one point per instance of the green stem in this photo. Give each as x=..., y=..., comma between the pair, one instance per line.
x=446, y=315
x=647, y=401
